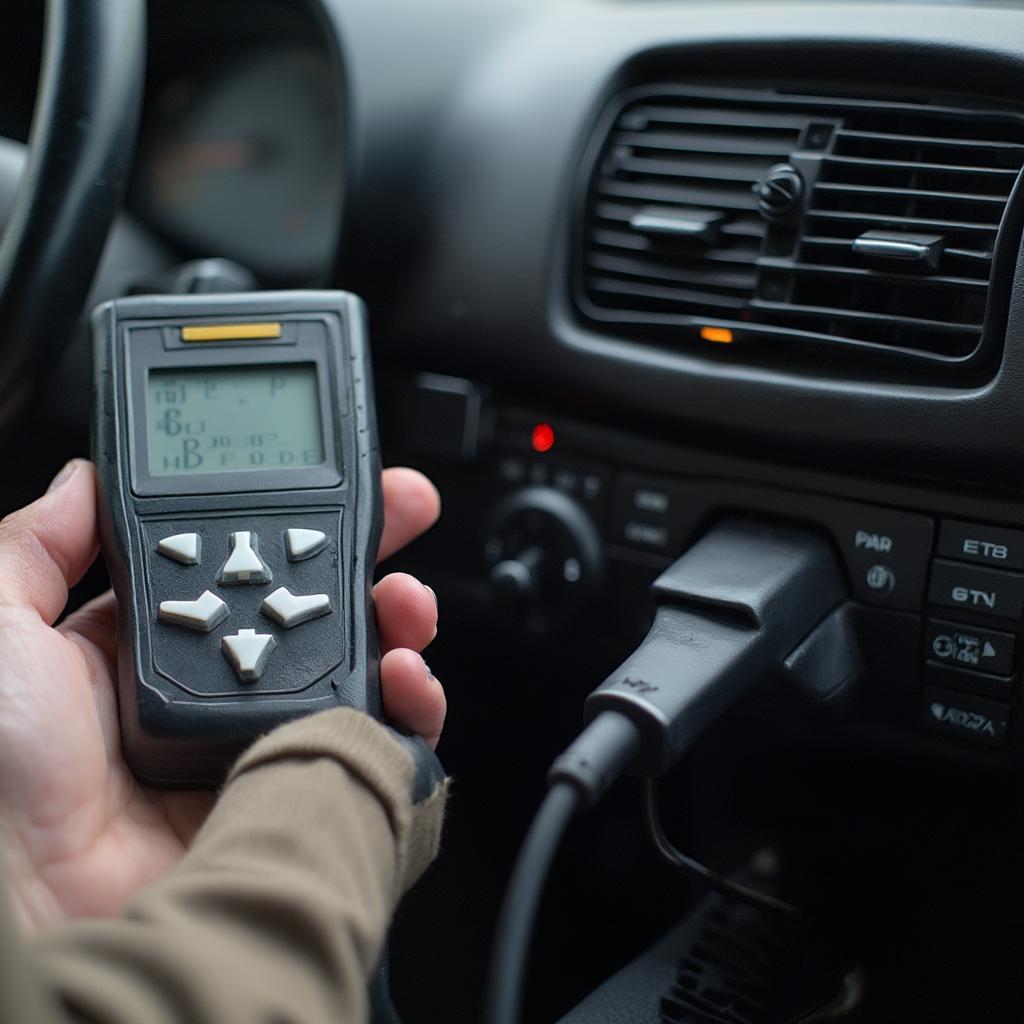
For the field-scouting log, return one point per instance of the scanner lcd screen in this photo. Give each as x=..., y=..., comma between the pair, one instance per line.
x=225, y=419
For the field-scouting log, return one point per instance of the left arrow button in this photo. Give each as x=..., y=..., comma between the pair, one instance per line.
x=182, y=547
x=202, y=614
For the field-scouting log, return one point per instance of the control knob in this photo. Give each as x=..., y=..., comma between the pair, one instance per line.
x=543, y=558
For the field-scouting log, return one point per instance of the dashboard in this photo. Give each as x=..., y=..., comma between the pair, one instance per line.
x=632, y=267
x=519, y=276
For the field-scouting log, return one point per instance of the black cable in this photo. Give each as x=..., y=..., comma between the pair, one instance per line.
x=730, y=610
x=519, y=910
x=577, y=779
x=688, y=866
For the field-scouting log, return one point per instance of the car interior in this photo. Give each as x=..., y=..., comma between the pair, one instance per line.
x=647, y=282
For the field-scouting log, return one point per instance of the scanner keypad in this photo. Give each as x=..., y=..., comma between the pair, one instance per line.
x=266, y=593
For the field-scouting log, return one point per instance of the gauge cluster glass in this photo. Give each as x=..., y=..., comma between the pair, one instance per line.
x=245, y=161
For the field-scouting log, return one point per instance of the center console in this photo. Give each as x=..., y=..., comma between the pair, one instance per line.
x=565, y=522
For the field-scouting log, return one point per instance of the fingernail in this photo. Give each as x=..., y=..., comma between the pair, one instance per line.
x=66, y=473
x=430, y=591
x=430, y=675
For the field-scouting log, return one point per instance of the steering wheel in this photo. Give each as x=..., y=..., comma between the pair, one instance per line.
x=79, y=154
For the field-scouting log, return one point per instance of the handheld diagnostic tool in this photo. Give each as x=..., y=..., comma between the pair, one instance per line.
x=236, y=443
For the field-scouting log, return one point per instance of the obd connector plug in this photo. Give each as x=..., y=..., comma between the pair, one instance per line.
x=729, y=613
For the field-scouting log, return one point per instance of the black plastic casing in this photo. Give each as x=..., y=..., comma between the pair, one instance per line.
x=178, y=733
x=729, y=611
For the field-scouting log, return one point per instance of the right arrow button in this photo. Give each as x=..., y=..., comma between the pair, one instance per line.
x=301, y=544
x=288, y=609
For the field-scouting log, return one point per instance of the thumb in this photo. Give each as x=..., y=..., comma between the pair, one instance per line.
x=46, y=547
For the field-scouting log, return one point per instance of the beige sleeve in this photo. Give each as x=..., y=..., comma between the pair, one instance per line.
x=278, y=912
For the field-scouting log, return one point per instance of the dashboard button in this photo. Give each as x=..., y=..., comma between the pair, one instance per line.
x=580, y=480
x=985, y=545
x=512, y=470
x=650, y=497
x=969, y=718
x=986, y=591
x=969, y=647
x=655, y=536
x=565, y=478
x=886, y=554
x=537, y=473
x=980, y=683
x=649, y=514
x=592, y=486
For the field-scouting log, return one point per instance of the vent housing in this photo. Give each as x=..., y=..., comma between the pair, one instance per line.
x=908, y=212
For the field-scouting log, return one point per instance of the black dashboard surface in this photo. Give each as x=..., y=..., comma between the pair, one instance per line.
x=473, y=173
x=458, y=231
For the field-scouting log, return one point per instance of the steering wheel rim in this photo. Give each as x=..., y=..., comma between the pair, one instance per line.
x=80, y=149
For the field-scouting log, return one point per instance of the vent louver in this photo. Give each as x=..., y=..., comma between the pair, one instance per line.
x=904, y=213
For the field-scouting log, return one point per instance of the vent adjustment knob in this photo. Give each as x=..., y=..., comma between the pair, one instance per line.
x=779, y=192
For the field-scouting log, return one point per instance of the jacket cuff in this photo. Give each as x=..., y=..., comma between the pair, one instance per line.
x=373, y=757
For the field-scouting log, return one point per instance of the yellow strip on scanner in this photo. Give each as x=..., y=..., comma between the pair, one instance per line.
x=230, y=332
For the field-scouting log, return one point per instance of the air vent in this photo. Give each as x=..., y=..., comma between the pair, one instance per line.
x=804, y=222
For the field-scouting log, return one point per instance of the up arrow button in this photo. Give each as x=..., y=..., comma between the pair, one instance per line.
x=244, y=564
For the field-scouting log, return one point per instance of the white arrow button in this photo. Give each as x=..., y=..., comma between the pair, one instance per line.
x=244, y=564
x=290, y=609
x=248, y=652
x=302, y=544
x=182, y=547
x=201, y=614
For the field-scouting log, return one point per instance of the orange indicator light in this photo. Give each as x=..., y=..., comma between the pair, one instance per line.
x=719, y=335
x=543, y=437
x=230, y=332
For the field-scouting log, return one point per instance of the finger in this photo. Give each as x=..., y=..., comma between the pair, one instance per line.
x=406, y=612
x=92, y=629
x=411, y=507
x=95, y=621
x=413, y=698
x=46, y=547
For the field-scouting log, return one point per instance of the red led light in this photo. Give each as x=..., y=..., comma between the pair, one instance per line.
x=543, y=437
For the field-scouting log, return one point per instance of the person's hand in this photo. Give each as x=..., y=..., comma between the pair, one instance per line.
x=78, y=834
